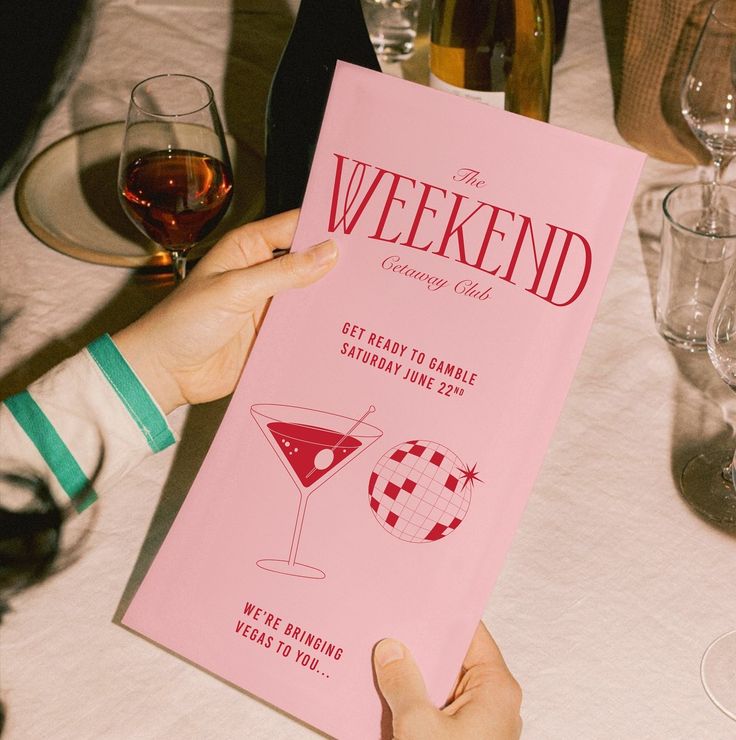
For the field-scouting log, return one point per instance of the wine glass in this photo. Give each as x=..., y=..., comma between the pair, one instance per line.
x=175, y=181
x=708, y=97
x=312, y=445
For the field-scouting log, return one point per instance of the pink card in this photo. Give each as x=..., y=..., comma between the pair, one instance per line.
x=373, y=464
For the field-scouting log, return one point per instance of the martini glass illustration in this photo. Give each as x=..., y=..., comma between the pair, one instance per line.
x=312, y=445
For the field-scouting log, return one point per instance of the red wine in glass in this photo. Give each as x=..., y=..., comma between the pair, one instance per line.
x=178, y=196
x=174, y=180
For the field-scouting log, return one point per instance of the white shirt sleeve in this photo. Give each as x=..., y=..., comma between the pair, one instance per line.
x=83, y=425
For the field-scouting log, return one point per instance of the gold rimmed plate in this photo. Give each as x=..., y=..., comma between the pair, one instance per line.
x=67, y=197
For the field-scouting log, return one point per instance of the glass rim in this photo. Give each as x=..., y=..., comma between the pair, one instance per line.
x=676, y=223
x=146, y=111
x=730, y=21
x=271, y=411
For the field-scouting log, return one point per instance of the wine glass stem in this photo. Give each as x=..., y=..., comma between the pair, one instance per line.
x=709, y=220
x=719, y=164
x=179, y=259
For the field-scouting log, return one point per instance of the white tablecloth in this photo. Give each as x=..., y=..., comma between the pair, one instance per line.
x=613, y=587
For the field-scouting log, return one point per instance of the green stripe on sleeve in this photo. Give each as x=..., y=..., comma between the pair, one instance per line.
x=132, y=393
x=51, y=446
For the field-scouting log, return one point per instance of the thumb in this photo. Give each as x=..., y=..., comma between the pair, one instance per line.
x=255, y=284
x=399, y=679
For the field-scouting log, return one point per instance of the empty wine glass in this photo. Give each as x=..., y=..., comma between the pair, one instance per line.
x=708, y=97
x=174, y=180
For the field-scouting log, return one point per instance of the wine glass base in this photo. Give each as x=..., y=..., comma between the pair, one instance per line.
x=290, y=569
x=706, y=489
x=718, y=673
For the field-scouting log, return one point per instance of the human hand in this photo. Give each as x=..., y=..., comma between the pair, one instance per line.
x=192, y=346
x=484, y=705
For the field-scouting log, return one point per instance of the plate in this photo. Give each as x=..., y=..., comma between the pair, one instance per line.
x=67, y=197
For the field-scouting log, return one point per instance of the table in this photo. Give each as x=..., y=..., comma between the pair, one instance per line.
x=613, y=587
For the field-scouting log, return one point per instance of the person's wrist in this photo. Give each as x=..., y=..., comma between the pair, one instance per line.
x=136, y=347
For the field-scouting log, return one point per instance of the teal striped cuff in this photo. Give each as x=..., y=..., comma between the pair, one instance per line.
x=132, y=393
x=51, y=446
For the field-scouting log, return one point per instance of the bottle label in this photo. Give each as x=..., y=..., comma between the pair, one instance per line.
x=494, y=99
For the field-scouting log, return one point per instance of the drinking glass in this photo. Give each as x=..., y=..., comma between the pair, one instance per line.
x=312, y=446
x=392, y=26
x=708, y=97
x=693, y=264
x=174, y=180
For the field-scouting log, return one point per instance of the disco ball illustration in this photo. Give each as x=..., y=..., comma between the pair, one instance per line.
x=420, y=491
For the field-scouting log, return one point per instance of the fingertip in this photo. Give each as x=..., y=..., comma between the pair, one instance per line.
x=388, y=651
x=323, y=254
x=402, y=687
x=304, y=267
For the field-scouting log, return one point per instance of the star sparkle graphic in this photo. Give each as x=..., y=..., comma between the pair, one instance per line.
x=469, y=476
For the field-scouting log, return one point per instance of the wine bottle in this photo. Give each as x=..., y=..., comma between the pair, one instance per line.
x=323, y=32
x=496, y=51
x=560, y=8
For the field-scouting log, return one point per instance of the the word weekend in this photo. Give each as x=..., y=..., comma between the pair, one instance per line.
x=548, y=261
